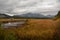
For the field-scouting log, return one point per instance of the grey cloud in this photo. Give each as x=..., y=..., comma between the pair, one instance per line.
x=16, y=7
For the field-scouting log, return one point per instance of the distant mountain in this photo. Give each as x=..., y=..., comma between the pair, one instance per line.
x=50, y=16
x=33, y=15
x=30, y=15
x=4, y=16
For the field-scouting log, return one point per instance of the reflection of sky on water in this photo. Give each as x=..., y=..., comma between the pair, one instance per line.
x=13, y=24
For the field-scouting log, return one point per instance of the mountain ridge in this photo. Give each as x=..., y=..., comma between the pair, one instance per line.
x=27, y=15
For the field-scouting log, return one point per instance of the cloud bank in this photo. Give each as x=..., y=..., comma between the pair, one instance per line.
x=18, y=7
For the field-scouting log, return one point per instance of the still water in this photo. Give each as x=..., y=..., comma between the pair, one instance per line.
x=12, y=24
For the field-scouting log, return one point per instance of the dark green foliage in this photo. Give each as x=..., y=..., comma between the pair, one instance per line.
x=11, y=36
x=7, y=35
x=1, y=34
x=58, y=15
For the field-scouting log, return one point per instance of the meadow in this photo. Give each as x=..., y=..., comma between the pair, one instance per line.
x=33, y=29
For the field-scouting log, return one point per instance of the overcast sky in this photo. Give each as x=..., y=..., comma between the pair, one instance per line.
x=16, y=7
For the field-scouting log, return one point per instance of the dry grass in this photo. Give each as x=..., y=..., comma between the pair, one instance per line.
x=43, y=29
x=35, y=29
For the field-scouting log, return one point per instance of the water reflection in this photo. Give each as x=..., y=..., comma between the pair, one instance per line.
x=12, y=24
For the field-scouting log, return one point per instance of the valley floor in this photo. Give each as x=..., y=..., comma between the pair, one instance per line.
x=34, y=29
